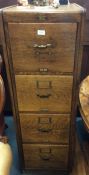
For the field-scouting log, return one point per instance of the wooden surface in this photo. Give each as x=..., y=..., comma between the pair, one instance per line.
x=37, y=93
x=45, y=156
x=26, y=48
x=84, y=101
x=80, y=162
x=85, y=150
x=85, y=65
x=44, y=93
x=81, y=159
x=43, y=15
x=45, y=128
x=84, y=110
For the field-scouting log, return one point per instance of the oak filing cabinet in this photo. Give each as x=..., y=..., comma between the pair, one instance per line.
x=42, y=53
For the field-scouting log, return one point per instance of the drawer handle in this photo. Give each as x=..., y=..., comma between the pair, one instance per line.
x=43, y=95
x=42, y=46
x=45, y=154
x=43, y=89
x=44, y=124
x=44, y=129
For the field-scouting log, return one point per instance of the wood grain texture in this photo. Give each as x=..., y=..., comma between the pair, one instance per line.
x=79, y=167
x=32, y=14
x=44, y=128
x=58, y=57
x=45, y=156
x=40, y=93
x=36, y=93
x=84, y=101
x=85, y=150
x=77, y=72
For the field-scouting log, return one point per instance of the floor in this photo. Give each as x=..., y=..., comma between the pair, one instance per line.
x=79, y=166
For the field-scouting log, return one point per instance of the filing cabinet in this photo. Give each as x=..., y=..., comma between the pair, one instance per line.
x=42, y=52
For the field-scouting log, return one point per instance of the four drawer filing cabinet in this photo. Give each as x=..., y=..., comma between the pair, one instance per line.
x=42, y=51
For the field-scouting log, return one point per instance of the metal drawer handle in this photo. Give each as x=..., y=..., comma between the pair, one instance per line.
x=44, y=124
x=43, y=95
x=43, y=89
x=44, y=129
x=42, y=46
x=45, y=154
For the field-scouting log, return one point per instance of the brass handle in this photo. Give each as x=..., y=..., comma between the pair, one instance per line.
x=44, y=129
x=42, y=46
x=44, y=124
x=43, y=95
x=43, y=89
x=45, y=154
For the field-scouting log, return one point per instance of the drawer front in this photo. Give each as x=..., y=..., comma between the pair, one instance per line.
x=45, y=156
x=44, y=93
x=43, y=47
x=45, y=128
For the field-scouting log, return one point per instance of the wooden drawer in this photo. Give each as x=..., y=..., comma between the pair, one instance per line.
x=39, y=128
x=43, y=47
x=44, y=93
x=45, y=156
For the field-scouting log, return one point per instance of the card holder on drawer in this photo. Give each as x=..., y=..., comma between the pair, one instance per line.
x=44, y=89
x=44, y=124
x=45, y=128
x=45, y=154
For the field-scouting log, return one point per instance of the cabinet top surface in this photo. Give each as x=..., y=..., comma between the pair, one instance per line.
x=70, y=8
